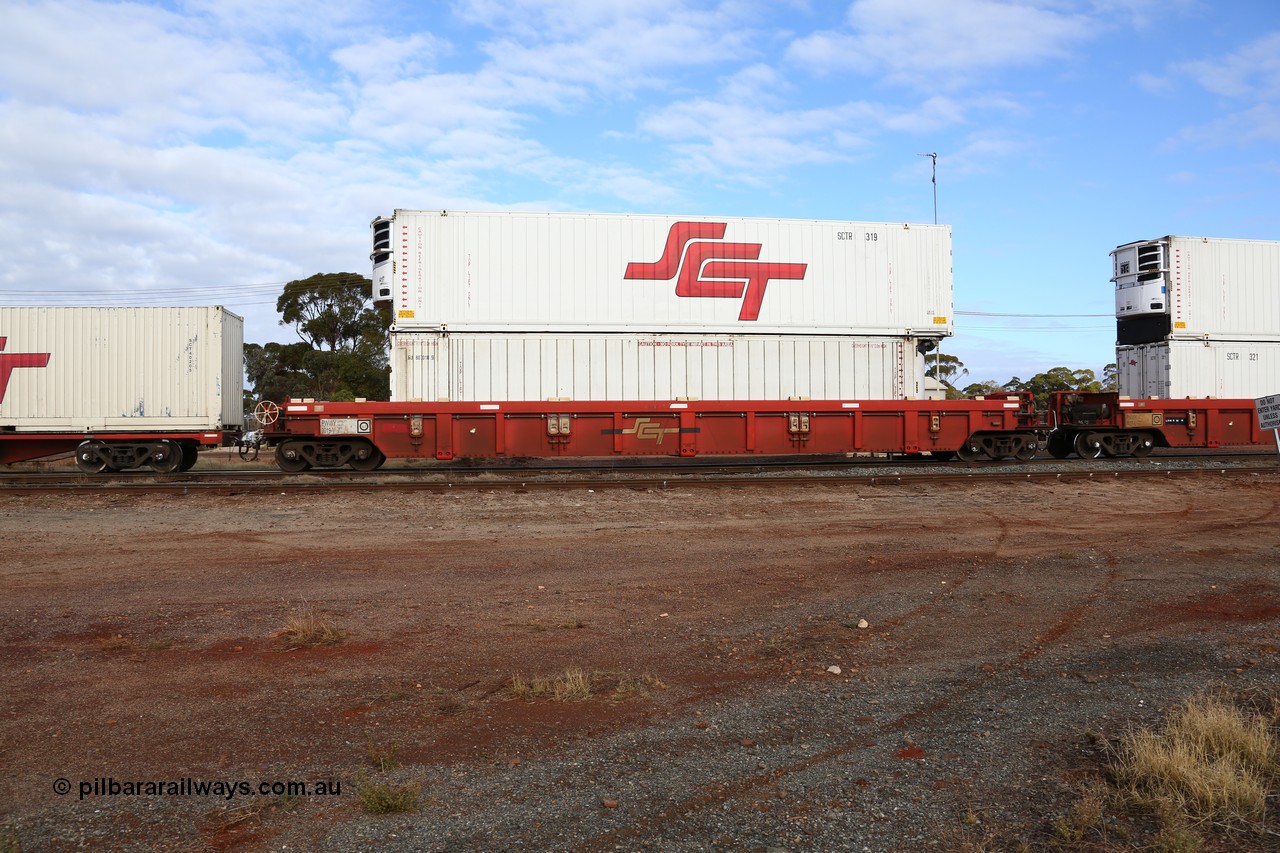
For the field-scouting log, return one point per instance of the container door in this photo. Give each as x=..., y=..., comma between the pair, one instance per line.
x=1156, y=367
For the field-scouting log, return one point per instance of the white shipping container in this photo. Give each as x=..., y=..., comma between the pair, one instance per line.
x=474, y=367
x=557, y=272
x=1183, y=288
x=1180, y=369
x=81, y=369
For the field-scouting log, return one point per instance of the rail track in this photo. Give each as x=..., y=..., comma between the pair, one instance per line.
x=643, y=474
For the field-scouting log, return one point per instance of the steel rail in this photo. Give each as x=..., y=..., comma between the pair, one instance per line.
x=300, y=483
x=635, y=467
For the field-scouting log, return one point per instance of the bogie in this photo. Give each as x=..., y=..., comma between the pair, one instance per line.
x=1021, y=445
x=164, y=456
x=297, y=455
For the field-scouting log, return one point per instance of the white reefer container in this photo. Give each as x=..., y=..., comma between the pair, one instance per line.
x=120, y=369
x=1183, y=288
x=1178, y=369
x=470, y=367
x=561, y=272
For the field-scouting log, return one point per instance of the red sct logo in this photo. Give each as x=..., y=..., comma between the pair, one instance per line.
x=9, y=361
x=714, y=269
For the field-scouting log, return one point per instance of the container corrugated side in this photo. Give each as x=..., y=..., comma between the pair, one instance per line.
x=1195, y=288
x=551, y=272
x=475, y=367
x=1179, y=369
x=123, y=369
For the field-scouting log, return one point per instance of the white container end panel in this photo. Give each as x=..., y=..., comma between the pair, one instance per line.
x=472, y=367
x=1197, y=287
x=98, y=369
x=539, y=272
x=1181, y=369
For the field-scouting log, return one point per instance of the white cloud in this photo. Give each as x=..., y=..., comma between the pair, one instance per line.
x=1248, y=82
x=550, y=20
x=984, y=152
x=752, y=142
x=1156, y=84
x=145, y=72
x=1253, y=71
x=747, y=131
x=942, y=44
x=384, y=56
x=282, y=20
x=1256, y=124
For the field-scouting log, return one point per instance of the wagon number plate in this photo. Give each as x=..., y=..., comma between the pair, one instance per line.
x=346, y=426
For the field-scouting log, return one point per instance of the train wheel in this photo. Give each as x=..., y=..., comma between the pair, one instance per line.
x=970, y=451
x=372, y=462
x=1026, y=452
x=1087, y=447
x=1144, y=447
x=289, y=459
x=190, y=453
x=166, y=457
x=88, y=460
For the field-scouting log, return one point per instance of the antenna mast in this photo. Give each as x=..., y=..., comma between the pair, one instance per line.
x=934, y=157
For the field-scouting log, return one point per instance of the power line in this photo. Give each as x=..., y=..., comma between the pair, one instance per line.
x=201, y=288
x=1050, y=316
x=1006, y=329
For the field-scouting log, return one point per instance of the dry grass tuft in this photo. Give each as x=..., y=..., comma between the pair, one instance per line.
x=1085, y=815
x=386, y=798
x=573, y=685
x=383, y=758
x=629, y=687
x=1211, y=762
x=251, y=813
x=1199, y=781
x=304, y=629
x=9, y=842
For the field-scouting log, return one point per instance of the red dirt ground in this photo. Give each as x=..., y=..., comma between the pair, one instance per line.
x=141, y=641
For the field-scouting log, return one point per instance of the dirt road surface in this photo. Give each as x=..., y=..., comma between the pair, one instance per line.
x=797, y=668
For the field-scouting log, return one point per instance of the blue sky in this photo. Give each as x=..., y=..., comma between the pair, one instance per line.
x=206, y=152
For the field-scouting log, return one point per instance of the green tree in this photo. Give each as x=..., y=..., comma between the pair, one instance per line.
x=276, y=371
x=1056, y=379
x=344, y=351
x=332, y=310
x=986, y=388
x=1110, y=377
x=947, y=369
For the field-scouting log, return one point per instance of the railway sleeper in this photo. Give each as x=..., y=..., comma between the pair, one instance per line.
x=1001, y=445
